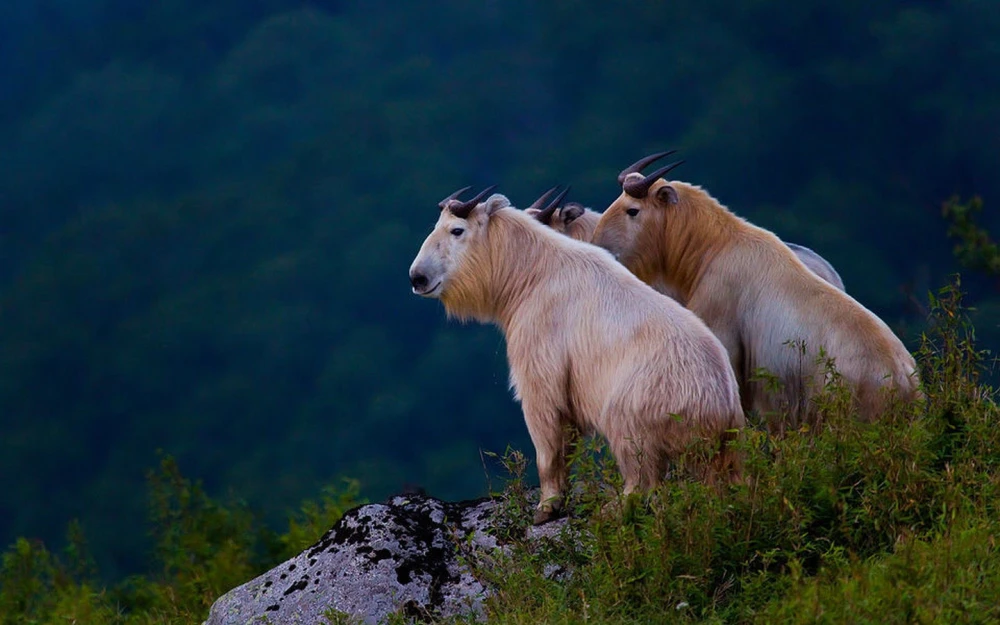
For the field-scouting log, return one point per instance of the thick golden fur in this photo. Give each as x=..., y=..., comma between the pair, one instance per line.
x=579, y=223
x=760, y=300
x=590, y=347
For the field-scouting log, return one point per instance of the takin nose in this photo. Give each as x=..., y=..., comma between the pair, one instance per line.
x=418, y=281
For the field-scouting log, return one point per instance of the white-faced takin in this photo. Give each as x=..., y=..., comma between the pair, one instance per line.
x=590, y=347
x=766, y=307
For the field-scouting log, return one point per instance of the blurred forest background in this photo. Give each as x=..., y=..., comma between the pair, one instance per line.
x=208, y=209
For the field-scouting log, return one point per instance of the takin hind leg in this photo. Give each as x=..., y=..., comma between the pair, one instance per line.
x=640, y=462
x=726, y=463
x=642, y=466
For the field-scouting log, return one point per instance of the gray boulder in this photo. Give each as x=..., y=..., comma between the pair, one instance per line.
x=379, y=559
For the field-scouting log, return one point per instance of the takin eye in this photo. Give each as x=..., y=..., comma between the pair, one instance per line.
x=632, y=212
x=457, y=231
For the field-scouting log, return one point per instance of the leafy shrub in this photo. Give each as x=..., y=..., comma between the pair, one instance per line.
x=203, y=549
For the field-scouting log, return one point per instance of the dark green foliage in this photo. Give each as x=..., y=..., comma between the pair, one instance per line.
x=948, y=578
x=207, y=210
x=203, y=549
x=975, y=248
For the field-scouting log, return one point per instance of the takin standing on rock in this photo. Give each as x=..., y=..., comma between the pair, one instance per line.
x=578, y=222
x=589, y=346
x=766, y=307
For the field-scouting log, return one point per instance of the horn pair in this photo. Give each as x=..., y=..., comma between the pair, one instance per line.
x=459, y=208
x=545, y=214
x=640, y=188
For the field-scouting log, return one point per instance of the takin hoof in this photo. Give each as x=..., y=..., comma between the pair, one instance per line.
x=545, y=513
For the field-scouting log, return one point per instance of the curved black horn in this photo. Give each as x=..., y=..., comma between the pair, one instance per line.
x=444, y=203
x=545, y=215
x=640, y=164
x=640, y=188
x=540, y=202
x=462, y=209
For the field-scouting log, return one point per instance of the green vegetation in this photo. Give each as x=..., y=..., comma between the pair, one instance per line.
x=975, y=248
x=894, y=521
x=207, y=210
x=203, y=549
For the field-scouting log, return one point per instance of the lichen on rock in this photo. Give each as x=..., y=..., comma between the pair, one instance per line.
x=397, y=557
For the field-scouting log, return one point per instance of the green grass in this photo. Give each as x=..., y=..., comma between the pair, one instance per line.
x=893, y=521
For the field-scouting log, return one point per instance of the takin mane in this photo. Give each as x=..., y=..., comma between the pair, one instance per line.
x=589, y=346
x=775, y=317
x=578, y=222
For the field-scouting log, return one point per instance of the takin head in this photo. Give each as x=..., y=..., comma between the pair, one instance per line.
x=573, y=219
x=451, y=243
x=576, y=221
x=633, y=226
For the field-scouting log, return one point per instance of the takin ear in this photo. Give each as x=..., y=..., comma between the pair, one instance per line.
x=495, y=203
x=667, y=195
x=571, y=211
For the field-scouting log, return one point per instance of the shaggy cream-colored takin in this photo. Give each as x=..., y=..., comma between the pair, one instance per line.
x=589, y=346
x=774, y=315
x=579, y=222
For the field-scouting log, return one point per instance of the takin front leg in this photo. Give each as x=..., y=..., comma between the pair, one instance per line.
x=549, y=439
